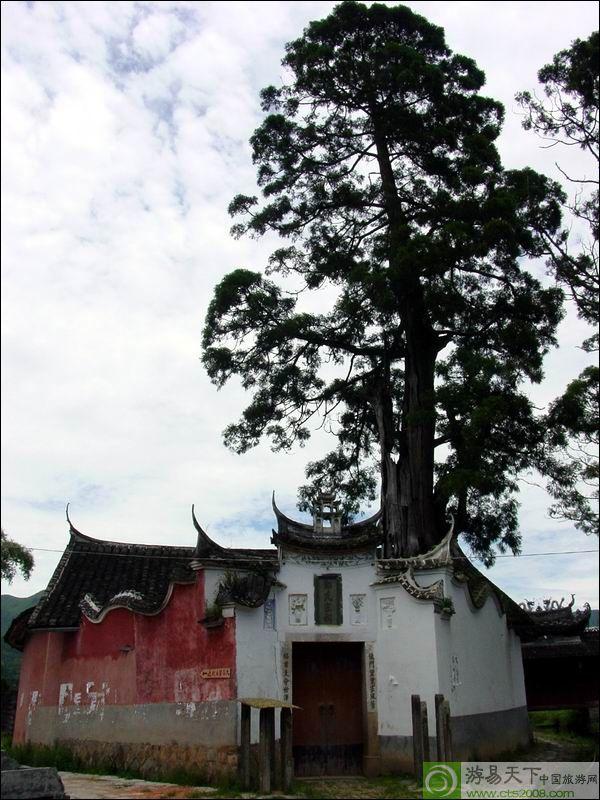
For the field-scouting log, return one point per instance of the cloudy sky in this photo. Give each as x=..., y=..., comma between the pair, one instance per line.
x=125, y=132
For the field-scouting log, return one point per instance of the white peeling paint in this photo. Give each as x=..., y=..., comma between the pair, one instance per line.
x=88, y=702
x=126, y=594
x=34, y=700
x=89, y=600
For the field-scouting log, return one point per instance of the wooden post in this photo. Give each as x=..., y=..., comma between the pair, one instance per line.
x=425, y=729
x=245, y=746
x=417, y=732
x=264, y=752
x=439, y=727
x=272, y=760
x=447, y=732
x=285, y=747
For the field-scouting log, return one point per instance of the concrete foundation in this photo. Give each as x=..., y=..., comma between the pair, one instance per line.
x=481, y=737
x=478, y=737
x=208, y=724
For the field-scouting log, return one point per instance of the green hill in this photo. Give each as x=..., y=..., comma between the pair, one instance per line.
x=11, y=658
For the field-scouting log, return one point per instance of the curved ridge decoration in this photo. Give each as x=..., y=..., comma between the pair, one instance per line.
x=130, y=599
x=77, y=534
x=204, y=544
x=440, y=555
x=288, y=520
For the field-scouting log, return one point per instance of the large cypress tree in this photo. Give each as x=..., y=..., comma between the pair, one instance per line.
x=377, y=165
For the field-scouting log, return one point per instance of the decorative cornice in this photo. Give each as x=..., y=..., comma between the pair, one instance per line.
x=432, y=593
x=438, y=556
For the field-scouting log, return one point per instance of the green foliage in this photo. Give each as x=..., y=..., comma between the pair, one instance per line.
x=213, y=612
x=377, y=165
x=569, y=727
x=568, y=116
x=13, y=557
x=11, y=658
x=571, y=462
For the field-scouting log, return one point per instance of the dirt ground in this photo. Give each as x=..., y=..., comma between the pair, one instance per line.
x=106, y=787
x=79, y=786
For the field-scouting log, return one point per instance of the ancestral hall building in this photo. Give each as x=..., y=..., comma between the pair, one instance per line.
x=140, y=654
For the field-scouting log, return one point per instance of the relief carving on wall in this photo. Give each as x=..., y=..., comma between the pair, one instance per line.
x=358, y=609
x=329, y=562
x=388, y=612
x=298, y=609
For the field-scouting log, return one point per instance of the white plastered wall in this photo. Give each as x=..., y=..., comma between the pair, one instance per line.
x=479, y=657
x=473, y=659
x=406, y=660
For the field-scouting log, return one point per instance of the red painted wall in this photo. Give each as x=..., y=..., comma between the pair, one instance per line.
x=93, y=665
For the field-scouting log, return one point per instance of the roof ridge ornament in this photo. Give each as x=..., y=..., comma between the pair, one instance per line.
x=311, y=537
x=439, y=555
x=77, y=534
x=204, y=544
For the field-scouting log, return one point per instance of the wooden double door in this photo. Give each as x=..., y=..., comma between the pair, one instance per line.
x=327, y=680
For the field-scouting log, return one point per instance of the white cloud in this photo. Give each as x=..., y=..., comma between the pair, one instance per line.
x=125, y=136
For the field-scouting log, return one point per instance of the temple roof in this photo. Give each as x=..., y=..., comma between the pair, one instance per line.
x=350, y=536
x=556, y=620
x=586, y=645
x=209, y=552
x=94, y=576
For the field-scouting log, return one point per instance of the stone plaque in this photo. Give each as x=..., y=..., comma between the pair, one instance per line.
x=298, y=609
x=328, y=599
x=358, y=609
x=388, y=612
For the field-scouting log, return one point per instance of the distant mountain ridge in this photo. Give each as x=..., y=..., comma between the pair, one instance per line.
x=11, y=658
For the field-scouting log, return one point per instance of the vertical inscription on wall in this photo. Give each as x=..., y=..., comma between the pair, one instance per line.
x=286, y=664
x=388, y=612
x=454, y=673
x=371, y=678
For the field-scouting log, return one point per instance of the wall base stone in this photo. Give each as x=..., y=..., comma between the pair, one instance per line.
x=156, y=761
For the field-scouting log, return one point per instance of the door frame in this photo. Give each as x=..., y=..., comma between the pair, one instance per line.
x=368, y=719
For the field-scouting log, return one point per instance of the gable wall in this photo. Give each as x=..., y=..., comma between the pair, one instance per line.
x=83, y=687
x=481, y=675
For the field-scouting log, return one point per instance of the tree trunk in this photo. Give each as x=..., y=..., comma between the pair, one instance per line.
x=407, y=497
x=390, y=499
x=418, y=529
x=409, y=516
